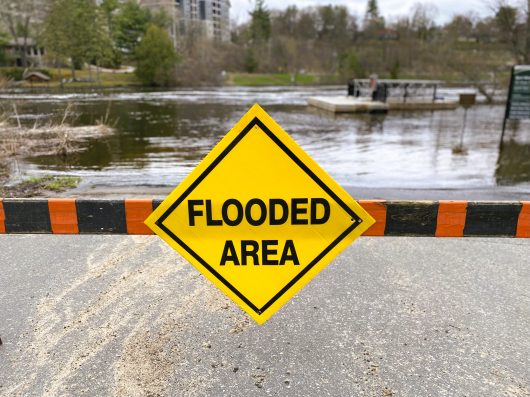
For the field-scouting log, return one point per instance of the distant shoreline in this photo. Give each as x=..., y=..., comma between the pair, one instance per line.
x=119, y=79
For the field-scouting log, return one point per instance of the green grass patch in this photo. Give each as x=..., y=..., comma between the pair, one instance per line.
x=92, y=79
x=54, y=183
x=264, y=79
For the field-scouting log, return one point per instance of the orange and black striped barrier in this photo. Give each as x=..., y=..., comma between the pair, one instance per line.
x=393, y=218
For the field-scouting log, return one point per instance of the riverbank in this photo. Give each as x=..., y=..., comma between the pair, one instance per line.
x=86, y=78
x=60, y=140
x=108, y=78
x=116, y=78
x=47, y=186
x=280, y=79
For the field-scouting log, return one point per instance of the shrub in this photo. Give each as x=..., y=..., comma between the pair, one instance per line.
x=156, y=58
x=13, y=73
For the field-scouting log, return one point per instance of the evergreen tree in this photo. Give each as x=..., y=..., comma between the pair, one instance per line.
x=372, y=10
x=373, y=21
x=129, y=23
x=260, y=22
x=129, y=26
x=156, y=58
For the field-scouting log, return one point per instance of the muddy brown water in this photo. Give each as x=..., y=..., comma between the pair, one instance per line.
x=161, y=135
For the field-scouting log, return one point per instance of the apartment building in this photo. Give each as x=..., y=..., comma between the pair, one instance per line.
x=209, y=17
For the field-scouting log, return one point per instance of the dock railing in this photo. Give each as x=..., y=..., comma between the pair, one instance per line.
x=401, y=88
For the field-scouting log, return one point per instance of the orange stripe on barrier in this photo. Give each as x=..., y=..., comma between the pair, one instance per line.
x=523, y=224
x=2, y=218
x=451, y=218
x=136, y=212
x=377, y=210
x=63, y=216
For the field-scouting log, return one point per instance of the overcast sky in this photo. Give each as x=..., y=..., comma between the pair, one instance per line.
x=389, y=8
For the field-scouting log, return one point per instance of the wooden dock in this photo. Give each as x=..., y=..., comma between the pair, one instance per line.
x=348, y=104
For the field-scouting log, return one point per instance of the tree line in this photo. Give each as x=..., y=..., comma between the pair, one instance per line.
x=325, y=40
x=110, y=33
x=329, y=39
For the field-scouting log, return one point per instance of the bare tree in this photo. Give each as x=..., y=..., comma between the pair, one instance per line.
x=422, y=21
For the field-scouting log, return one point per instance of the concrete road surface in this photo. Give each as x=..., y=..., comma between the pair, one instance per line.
x=126, y=316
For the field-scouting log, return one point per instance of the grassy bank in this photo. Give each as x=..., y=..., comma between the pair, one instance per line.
x=87, y=78
x=278, y=79
x=106, y=79
x=54, y=183
x=40, y=186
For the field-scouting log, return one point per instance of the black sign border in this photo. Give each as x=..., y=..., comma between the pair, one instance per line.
x=256, y=122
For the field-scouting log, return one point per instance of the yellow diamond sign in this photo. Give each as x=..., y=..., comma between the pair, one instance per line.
x=258, y=217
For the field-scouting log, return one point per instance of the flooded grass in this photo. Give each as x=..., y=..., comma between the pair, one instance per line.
x=54, y=183
x=39, y=186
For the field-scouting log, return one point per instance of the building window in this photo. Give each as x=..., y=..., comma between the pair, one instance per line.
x=202, y=9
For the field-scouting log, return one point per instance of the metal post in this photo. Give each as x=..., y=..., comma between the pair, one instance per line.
x=502, y=134
x=463, y=130
x=508, y=104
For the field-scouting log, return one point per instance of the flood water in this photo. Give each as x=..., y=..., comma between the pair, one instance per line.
x=160, y=136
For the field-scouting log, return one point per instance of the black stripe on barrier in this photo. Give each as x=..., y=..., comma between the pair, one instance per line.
x=411, y=218
x=101, y=216
x=27, y=216
x=492, y=219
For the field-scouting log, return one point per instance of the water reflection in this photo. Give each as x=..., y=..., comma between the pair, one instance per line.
x=161, y=136
x=373, y=123
x=513, y=164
